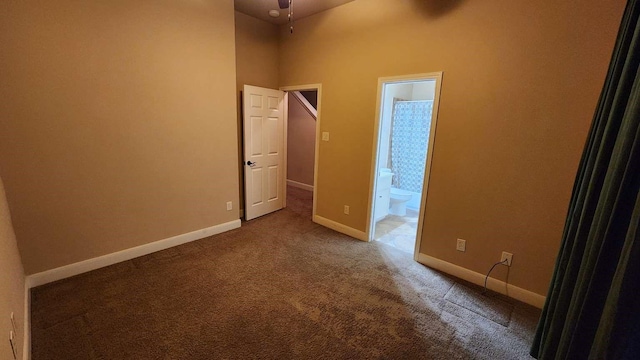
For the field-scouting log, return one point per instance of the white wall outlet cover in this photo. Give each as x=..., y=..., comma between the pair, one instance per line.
x=325, y=136
x=506, y=256
x=461, y=245
x=229, y=205
x=346, y=209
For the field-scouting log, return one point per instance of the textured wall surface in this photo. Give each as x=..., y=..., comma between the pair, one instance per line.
x=256, y=64
x=117, y=125
x=11, y=281
x=521, y=82
x=301, y=143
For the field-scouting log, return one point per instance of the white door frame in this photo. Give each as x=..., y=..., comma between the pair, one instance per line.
x=437, y=76
x=287, y=89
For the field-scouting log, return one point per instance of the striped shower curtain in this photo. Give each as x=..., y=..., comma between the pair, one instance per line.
x=409, y=141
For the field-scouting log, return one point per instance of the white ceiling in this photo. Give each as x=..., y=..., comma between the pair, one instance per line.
x=302, y=8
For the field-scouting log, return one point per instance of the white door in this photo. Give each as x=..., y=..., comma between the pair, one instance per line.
x=263, y=150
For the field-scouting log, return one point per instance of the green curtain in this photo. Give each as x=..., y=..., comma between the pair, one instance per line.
x=593, y=305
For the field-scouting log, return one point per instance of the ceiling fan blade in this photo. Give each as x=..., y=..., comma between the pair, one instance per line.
x=284, y=4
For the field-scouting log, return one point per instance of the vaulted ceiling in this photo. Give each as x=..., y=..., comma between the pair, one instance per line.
x=302, y=8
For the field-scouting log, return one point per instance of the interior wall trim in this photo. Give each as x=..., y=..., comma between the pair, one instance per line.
x=26, y=320
x=300, y=185
x=341, y=228
x=305, y=104
x=501, y=287
x=66, y=271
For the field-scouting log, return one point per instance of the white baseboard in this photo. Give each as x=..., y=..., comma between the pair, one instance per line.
x=360, y=235
x=299, y=185
x=501, y=287
x=124, y=255
x=26, y=338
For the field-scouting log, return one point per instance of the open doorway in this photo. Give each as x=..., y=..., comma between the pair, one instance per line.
x=279, y=148
x=302, y=119
x=406, y=130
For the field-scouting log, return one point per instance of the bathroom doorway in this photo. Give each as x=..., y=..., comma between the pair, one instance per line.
x=407, y=116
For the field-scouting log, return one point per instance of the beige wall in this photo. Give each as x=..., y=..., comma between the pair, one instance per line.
x=256, y=64
x=256, y=52
x=118, y=123
x=301, y=143
x=521, y=82
x=11, y=281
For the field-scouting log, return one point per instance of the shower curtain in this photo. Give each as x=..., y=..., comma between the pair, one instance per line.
x=409, y=140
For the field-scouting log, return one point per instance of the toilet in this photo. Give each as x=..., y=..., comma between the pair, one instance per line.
x=398, y=201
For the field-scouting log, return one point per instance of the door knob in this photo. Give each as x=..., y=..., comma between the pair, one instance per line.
x=251, y=164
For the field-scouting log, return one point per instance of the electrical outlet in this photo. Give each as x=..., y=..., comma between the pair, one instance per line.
x=461, y=245
x=325, y=136
x=506, y=256
x=346, y=209
x=229, y=205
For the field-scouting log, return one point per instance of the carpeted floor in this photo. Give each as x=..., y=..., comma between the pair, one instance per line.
x=280, y=287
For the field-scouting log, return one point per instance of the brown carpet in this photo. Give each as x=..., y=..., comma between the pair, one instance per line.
x=493, y=307
x=280, y=287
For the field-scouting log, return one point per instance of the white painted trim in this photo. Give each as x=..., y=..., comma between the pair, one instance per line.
x=316, y=159
x=430, y=148
x=303, y=87
x=501, y=287
x=305, y=104
x=434, y=76
x=300, y=185
x=285, y=146
x=341, y=228
x=26, y=337
x=124, y=255
x=375, y=153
